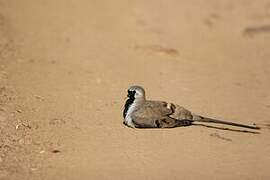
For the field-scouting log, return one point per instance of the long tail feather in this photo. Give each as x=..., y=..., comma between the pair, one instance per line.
x=209, y=120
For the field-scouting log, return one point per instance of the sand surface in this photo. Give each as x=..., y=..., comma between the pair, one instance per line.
x=65, y=66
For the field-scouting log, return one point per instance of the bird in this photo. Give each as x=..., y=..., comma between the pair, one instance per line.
x=142, y=113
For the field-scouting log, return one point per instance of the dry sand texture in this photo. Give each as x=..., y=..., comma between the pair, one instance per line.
x=66, y=65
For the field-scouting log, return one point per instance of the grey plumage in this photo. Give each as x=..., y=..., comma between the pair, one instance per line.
x=142, y=113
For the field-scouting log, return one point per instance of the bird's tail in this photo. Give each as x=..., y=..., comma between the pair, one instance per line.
x=210, y=120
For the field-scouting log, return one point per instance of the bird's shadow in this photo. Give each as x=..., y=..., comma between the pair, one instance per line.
x=226, y=129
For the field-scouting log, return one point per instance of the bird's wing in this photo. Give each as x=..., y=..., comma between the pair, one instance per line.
x=156, y=108
x=180, y=113
x=159, y=122
x=156, y=114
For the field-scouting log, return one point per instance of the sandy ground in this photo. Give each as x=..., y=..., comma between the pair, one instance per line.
x=66, y=65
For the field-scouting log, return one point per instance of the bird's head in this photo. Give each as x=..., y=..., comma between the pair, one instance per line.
x=136, y=93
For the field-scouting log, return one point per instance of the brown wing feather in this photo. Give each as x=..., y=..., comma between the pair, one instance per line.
x=181, y=113
x=156, y=114
x=154, y=109
x=161, y=122
x=150, y=113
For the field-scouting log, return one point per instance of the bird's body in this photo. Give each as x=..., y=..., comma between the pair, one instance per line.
x=142, y=113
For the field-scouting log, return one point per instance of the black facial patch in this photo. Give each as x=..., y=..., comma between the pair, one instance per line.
x=131, y=94
x=130, y=100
